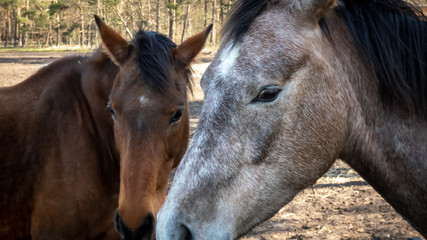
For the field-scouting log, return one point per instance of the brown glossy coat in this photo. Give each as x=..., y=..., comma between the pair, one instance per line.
x=58, y=157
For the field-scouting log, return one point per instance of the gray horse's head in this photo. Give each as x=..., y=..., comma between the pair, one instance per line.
x=272, y=123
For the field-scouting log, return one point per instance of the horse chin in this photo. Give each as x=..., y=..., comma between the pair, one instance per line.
x=243, y=227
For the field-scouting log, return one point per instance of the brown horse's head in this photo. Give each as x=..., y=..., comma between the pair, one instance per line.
x=148, y=103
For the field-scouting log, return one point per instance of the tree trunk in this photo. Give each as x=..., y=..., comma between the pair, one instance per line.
x=16, y=15
x=48, y=36
x=83, y=27
x=9, y=27
x=46, y=42
x=184, y=27
x=221, y=8
x=15, y=34
x=89, y=35
x=18, y=40
x=6, y=30
x=82, y=24
x=98, y=10
x=24, y=37
x=171, y=19
x=157, y=14
x=25, y=31
x=1, y=27
x=58, y=26
x=189, y=26
x=124, y=23
x=213, y=21
x=138, y=16
x=148, y=14
x=206, y=14
x=40, y=39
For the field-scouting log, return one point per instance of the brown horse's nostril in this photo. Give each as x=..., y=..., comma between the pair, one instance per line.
x=144, y=231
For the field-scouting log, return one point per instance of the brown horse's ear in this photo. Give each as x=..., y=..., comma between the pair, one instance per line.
x=115, y=46
x=189, y=49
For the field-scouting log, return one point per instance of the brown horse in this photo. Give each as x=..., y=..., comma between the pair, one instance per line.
x=64, y=158
x=295, y=85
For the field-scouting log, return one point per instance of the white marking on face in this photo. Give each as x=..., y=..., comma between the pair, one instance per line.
x=142, y=99
x=228, y=58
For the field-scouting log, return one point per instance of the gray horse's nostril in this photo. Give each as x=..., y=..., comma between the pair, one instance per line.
x=186, y=233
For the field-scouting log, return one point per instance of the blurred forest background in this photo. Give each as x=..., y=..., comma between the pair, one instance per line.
x=70, y=23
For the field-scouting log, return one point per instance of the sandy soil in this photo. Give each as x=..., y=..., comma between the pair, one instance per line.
x=341, y=205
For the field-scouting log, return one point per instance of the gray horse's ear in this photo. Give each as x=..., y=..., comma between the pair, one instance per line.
x=314, y=10
x=115, y=46
x=189, y=49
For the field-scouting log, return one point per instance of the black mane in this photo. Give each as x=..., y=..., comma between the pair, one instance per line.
x=392, y=34
x=241, y=17
x=155, y=59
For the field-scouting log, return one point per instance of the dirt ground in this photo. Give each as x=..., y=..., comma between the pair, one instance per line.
x=341, y=205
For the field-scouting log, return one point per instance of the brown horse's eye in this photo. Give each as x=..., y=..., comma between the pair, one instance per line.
x=112, y=111
x=268, y=94
x=177, y=116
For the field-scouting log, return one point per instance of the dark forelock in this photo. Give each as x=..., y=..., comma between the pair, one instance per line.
x=241, y=17
x=155, y=59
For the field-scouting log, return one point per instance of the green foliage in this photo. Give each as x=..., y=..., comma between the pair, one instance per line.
x=70, y=30
x=111, y=2
x=24, y=28
x=6, y=4
x=55, y=8
x=21, y=20
x=41, y=20
x=176, y=7
x=224, y=3
x=92, y=2
x=30, y=14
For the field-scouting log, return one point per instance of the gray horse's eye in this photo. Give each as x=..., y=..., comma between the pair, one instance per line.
x=268, y=94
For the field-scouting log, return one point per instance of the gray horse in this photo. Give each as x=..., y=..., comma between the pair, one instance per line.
x=294, y=86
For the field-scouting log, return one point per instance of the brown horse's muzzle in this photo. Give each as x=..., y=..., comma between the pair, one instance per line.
x=143, y=232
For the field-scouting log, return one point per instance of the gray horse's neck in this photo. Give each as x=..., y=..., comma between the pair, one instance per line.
x=390, y=153
x=387, y=147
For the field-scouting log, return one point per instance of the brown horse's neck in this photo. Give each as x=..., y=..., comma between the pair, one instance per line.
x=69, y=92
x=386, y=146
x=57, y=136
x=97, y=81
